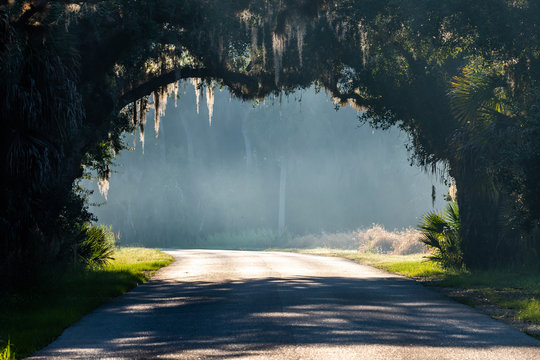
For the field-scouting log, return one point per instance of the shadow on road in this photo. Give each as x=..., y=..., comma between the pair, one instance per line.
x=166, y=317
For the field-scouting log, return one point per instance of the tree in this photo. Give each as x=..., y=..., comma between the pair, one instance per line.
x=75, y=74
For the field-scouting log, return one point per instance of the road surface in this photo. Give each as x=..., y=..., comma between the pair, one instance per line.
x=212, y=304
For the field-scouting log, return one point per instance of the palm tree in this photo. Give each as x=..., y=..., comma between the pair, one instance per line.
x=442, y=233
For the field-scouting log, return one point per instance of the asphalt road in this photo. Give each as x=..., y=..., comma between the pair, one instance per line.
x=265, y=305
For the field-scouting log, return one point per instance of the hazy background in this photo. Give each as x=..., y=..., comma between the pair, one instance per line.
x=196, y=181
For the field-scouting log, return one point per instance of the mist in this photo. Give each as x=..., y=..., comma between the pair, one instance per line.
x=290, y=165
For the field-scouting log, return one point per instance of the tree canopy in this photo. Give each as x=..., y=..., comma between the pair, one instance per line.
x=459, y=77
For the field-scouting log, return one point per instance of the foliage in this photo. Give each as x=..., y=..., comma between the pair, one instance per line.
x=462, y=82
x=412, y=265
x=7, y=353
x=441, y=232
x=530, y=311
x=47, y=132
x=498, y=120
x=96, y=245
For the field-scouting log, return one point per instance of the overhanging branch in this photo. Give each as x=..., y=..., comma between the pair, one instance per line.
x=242, y=85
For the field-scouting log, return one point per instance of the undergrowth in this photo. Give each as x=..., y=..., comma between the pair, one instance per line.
x=34, y=317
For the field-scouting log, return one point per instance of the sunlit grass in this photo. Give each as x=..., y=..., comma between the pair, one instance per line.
x=530, y=311
x=7, y=353
x=413, y=265
x=34, y=318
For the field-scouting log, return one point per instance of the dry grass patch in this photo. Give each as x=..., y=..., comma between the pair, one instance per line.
x=376, y=240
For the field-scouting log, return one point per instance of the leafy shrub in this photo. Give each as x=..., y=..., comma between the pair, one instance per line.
x=442, y=233
x=96, y=245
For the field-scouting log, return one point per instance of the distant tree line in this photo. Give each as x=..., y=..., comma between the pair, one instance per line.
x=461, y=78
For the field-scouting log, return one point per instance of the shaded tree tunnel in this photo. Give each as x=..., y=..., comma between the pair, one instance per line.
x=78, y=75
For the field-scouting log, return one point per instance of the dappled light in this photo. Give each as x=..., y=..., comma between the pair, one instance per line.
x=462, y=90
x=323, y=118
x=231, y=312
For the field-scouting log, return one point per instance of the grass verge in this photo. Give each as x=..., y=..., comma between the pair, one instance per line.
x=32, y=319
x=512, y=295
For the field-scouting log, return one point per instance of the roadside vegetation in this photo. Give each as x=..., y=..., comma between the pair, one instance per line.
x=433, y=255
x=32, y=318
x=375, y=239
x=508, y=294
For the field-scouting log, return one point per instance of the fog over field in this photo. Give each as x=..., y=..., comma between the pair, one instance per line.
x=290, y=165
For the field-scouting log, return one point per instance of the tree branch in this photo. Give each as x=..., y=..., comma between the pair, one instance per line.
x=242, y=85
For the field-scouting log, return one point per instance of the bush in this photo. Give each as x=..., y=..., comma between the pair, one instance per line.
x=398, y=242
x=382, y=245
x=442, y=233
x=375, y=239
x=409, y=242
x=96, y=245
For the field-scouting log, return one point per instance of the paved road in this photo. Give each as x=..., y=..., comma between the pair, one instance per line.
x=264, y=305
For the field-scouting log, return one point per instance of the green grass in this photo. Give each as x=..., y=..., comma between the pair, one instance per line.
x=530, y=311
x=6, y=353
x=414, y=266
x=516, y=290
x=36, y=317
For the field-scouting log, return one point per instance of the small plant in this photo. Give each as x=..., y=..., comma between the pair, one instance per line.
x=442, y=233
x=7, y=353
x=96, y=245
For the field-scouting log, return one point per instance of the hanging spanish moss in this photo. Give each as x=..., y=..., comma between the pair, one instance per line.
x=196, y=82
x=157, y=108
x=143, y=109
x=175, y=91
x=103, y=185
x=278, y=48
x=300, y=34
x=134, y=121
x=210, y=102
x=160, y=104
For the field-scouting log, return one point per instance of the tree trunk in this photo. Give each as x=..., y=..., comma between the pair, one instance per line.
x=479, y=213
x=282, y=195
x=189, y=141
x=247, y=145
